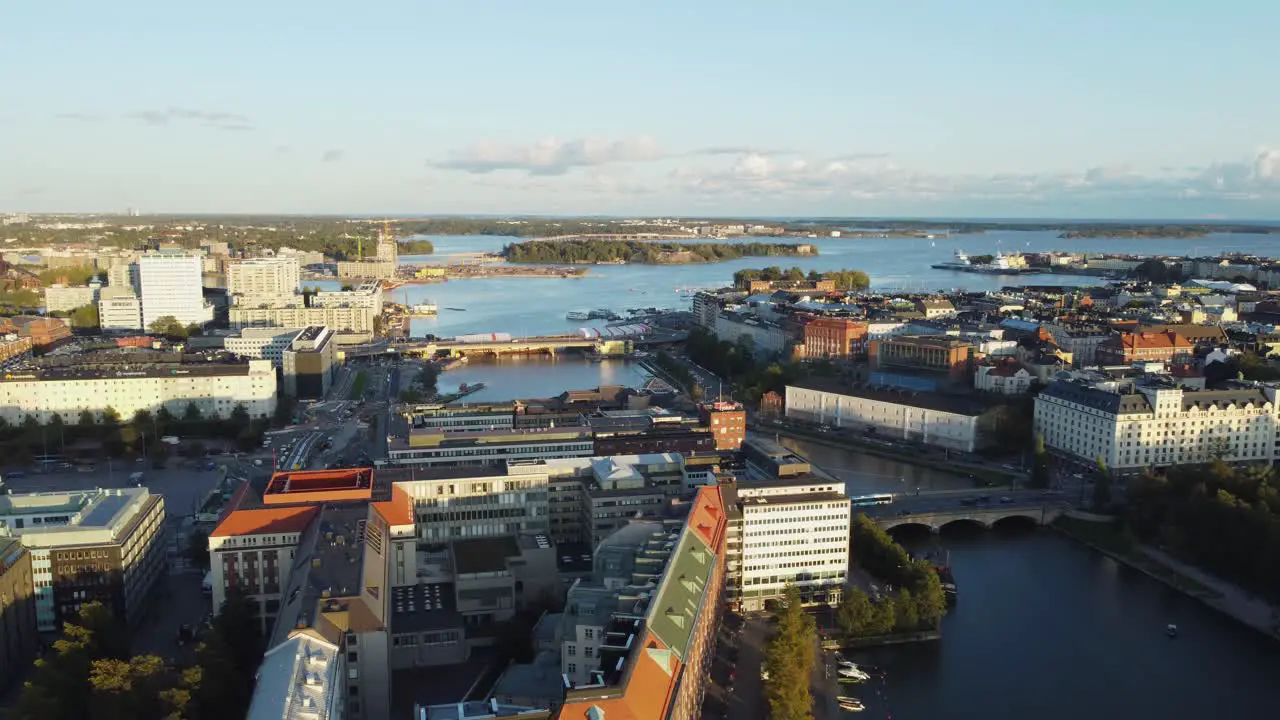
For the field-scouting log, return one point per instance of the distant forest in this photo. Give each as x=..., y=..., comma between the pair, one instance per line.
x=641, y=252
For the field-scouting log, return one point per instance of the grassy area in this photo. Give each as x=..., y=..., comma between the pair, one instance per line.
x=357, y=387
x=1113, y=540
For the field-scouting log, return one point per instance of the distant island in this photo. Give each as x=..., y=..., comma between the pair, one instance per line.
x=639, y=252
x=1153, y=231
x=842, y=279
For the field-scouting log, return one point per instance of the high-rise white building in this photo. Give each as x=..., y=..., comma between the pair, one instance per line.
x=172, y=286
x=792, y=531
x=263, y=279
x=119, y=309
x=61, y=298
x=123, y=276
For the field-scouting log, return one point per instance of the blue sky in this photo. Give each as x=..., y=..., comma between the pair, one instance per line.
x=1038, y=108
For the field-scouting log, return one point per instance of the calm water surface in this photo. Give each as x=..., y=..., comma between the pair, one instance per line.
x=532, y=306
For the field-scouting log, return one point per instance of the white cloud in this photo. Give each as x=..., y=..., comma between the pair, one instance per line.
x=332, y=155
x=551, y=157
x=219, y=119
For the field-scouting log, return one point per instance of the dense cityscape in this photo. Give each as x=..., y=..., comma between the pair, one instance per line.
x=571, y=360
x=240, y=479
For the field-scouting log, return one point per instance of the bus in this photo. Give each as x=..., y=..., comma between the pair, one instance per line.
x=868, y=500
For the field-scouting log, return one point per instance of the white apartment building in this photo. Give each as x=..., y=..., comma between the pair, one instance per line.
x=793, y=532
x=253, y=550
x=956, y=423
x=338, y=319
x=119, y=309
x=767, y=338
x=268, y=343
x=480, y=502
x=124, y=276
x=1132, y=427
x=106, y=545
x=61, y=298
x=172, y=285
x=264, y=278
x=215, y=388
x=366, y=295
x=1007, y=378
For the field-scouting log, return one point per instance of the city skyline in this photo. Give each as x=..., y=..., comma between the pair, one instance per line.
x=568, y=108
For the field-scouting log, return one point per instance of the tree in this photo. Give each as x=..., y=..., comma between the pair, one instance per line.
x=198, y=549
x=85, y=317
x=86, y=419
x=789, y=659
x=240, y=416
x=855, y=615
x=191, y=413
x=1101, y=486
x=110, y=416
x=164, y=417
x=168, y=326
x=1041, y=471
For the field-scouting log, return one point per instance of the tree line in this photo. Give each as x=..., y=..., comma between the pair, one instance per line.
x=138, y=436
x=744, y=375
x=90, y=672
x=917, y=601
x=789, y=659
x=590, y=251
x=844, y=279
x=1222, y=518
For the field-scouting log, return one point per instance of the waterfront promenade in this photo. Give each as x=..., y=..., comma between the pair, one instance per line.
x=1231, y=600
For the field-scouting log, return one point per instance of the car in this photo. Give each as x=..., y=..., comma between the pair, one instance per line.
x=968, y=501
x=1006, y=500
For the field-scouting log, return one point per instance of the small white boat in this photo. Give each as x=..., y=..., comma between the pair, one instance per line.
x=853, y=674
x=852, y=706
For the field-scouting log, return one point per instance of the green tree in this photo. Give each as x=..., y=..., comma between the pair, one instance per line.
x=110, y=417
x=86, y=419
x=240, y=416
x=908, y=616
x=197, y=551
x=85, y=317
x=1041, y=469
x=855, y=615
x=1101, y=486
x=789, y=659
x=884, y=616
x=168, y=326
x=191, y=413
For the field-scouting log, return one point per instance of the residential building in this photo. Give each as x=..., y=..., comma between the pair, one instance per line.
x=270, y=280
x=338, y=319
x=132, y=382
x=792, y=531
x=833, y=337
x=948, y=421
x=252, y=548
x=97, y=545
x=310, y=363
x=365, y=269
x=935, y=307
x=1202, y=337
x=1132, y=426
x=61, y=298
x=124, y=276
x=119, y=309
x=651, y=656
x=267, y=343
x=436, y=448
x=1006, y=377
x=727, y=422
x=1081, y=341
x=1129, y=347
x=171, y=285
x=766, y=338
x=19, y=640
x=706, y=306
x=12, y=346
x=301, y=677
x=366, y=295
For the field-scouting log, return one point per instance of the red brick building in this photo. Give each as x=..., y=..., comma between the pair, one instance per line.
x=829, y=337
x=1131, y=347
x=727, y=421
x=44, y=332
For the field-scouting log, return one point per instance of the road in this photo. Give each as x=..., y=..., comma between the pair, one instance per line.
x=948, y=501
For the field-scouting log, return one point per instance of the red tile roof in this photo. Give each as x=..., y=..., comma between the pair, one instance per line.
x=293, y=519
x=398, y=510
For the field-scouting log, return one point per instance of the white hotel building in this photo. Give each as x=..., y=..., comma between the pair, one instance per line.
x=791, y=532
x=1132, y=427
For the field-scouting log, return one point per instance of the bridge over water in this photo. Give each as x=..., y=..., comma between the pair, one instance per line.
x=544, y=344
x=984, y=514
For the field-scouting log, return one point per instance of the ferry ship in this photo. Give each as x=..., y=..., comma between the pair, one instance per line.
x=577, y=316
x=423, y=309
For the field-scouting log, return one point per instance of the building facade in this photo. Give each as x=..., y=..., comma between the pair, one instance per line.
x=215, y=388
x=119, y=309
x=949, y=422
x=65, y=299
x=833, y=337
x=263, y=279
x=171, y=286
x=310, y=363
x=727, y=422
x=338, y=319
x=435, y=448
x=267, y=343
x=1132, y=427
x=103, y=546
x=19, y=641
x=1127, y=348
x=928, y=353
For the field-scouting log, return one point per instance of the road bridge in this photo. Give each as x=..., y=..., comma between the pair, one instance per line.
x=549, y=344
x=986, y=515
x=620, y=237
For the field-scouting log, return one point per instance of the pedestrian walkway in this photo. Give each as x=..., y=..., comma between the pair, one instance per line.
x=1232, y=600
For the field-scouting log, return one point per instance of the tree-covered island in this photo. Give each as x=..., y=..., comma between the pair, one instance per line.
x=592, y=251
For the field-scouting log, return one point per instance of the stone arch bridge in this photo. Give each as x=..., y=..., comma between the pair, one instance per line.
x=984, y=515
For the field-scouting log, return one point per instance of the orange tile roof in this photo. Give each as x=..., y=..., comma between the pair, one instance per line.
x=398, y=510
x=648, y=690
x=266, y=520
x=1166, y=339
x=707, y=518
